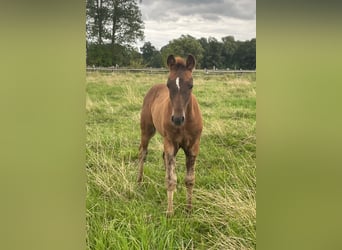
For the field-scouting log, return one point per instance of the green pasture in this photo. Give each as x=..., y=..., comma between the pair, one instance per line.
x=123, y=215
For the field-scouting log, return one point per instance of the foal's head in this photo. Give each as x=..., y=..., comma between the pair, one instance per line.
x=180, y=86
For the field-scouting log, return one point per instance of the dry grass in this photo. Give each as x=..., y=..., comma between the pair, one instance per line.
x=122, y=215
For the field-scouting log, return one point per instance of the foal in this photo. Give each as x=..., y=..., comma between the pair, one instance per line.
x=173, y=111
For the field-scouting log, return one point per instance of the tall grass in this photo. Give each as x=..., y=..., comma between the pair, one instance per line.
x=123, y=215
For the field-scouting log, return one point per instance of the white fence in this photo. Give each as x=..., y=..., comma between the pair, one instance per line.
x=163, y=70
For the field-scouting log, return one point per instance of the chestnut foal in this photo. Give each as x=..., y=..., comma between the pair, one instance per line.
x=173, y=111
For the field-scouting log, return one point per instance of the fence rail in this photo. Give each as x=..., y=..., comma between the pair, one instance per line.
x=163, y=70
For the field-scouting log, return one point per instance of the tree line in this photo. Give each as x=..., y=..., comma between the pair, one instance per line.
x=114, y=26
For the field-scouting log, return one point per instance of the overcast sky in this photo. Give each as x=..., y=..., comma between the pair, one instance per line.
x=169, y=19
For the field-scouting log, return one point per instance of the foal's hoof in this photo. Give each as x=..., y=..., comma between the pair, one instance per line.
x=169, y=214
x=139, y=180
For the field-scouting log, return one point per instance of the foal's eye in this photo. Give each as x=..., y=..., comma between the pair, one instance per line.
x=190, y=86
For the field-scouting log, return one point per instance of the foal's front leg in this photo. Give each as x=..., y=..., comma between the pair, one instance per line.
x=170, y=176
x=190, y=173
x=190, y=179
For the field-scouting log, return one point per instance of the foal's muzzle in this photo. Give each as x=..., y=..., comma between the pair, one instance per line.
x=177, y=120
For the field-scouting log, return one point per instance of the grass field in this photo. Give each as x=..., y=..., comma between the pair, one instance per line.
x=122, y=215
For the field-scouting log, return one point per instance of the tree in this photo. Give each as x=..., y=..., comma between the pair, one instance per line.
x=250, y=54
x=126, y=23
x=245, y=55
x=97, y=14
x=147, y=51
x=228, y=51
x=204, y=43
x=114, y=22
x=214, y=57
x=99, y=55
x=151, y=56
x=183, y=46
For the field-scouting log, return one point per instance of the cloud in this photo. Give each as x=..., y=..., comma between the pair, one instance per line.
x=169, y=19
x=166, y=9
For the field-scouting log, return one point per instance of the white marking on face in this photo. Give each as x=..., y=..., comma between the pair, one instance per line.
x=177, y=82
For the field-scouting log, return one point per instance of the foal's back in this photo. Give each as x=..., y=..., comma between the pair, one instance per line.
x=154, y=106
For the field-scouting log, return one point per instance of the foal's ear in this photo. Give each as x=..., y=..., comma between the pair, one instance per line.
x=171, y=60
x=190, y=62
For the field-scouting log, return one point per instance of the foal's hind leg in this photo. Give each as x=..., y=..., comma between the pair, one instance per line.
x=147, y=131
